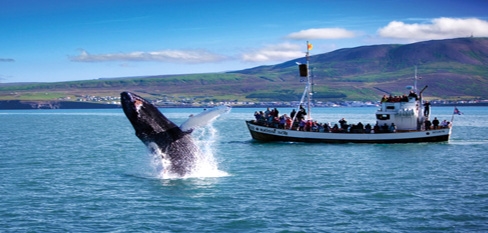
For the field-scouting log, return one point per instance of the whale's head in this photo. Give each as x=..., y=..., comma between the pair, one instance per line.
x=146, y=119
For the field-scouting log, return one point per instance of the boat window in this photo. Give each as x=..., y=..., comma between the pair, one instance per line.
x=382, y=116
x=390, y=107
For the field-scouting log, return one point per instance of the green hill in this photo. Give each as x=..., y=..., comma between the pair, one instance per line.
x=453, y=69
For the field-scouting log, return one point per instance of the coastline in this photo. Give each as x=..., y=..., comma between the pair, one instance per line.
x=26, y=105
x=21, y=104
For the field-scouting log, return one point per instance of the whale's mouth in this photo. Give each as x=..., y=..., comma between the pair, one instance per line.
x=126, y=98
x=129, y=97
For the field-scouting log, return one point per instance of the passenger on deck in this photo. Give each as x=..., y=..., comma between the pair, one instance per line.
x=367, y=128
x=435, y=123
x=276, y=112
x=267, y=113
x=288, y=122
x=260, y=118
x=335, y=129
x=394, y=99
x=257, y=116
x=390, y=99
x=426, y=108
x=303, y=109
x=270, y=120
x=301, y=114
x=393, y=128
x=315, y=126
x=343, y=123
x=376, y=128
x=308, y=126
x=444, y=124
x=276, y=122
x=404, y=98
x=292, y=114
x=282, y=121
x=384, y=99
x=326, y=127
x=320, y=127
x=427, y=124
x=360, y=127
x=302, y=124
x=414, y=95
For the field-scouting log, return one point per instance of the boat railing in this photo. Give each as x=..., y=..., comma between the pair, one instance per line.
x=351, y=129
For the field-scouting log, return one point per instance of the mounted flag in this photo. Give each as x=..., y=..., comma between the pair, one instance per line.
x=456, y=111
x=309, y=46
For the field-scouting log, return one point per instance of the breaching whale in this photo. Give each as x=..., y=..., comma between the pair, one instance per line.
x=161, y=135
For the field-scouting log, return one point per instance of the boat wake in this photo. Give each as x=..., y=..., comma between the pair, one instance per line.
x=468, y=142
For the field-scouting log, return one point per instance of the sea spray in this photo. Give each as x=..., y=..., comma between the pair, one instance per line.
x=205, y=165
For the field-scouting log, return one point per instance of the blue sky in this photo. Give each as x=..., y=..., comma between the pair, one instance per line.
x=62, y=40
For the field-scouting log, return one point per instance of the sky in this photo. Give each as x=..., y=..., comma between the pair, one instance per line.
x=63, y=40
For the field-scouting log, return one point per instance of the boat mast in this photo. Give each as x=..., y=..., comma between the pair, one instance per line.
x=415, y=81
x=308, y=89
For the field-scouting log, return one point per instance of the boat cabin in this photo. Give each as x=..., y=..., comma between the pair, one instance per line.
x=404, y=114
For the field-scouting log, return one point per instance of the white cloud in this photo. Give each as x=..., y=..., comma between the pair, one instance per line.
x=322, y=33
x=169, y=56
x=279, y=52
x=6, y=60
x=440, y=28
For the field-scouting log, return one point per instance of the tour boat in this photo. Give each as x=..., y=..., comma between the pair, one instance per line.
x=398, y=120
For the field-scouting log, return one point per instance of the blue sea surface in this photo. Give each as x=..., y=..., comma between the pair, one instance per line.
x=86, y=171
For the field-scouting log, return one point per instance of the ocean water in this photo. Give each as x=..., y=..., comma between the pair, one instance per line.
x=86, y=171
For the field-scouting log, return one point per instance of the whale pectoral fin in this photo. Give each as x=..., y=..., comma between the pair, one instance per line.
x=192, y=123
x=203, y=118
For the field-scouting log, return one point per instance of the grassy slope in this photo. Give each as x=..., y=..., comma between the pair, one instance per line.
x=453, y=69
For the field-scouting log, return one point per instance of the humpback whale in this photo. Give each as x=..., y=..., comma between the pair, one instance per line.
x=159, y=134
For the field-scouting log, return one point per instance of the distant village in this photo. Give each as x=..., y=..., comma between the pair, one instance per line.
x=187, y=102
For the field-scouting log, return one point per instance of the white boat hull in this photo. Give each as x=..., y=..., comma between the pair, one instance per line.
x=263, y=133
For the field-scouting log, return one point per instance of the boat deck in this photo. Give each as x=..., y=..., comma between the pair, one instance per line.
x=269, y=134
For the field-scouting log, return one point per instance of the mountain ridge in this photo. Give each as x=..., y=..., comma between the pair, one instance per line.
x=462, y=60
x=452, y=68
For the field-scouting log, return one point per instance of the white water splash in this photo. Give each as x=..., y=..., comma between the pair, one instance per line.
x=156, y=160
x=205, y=165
